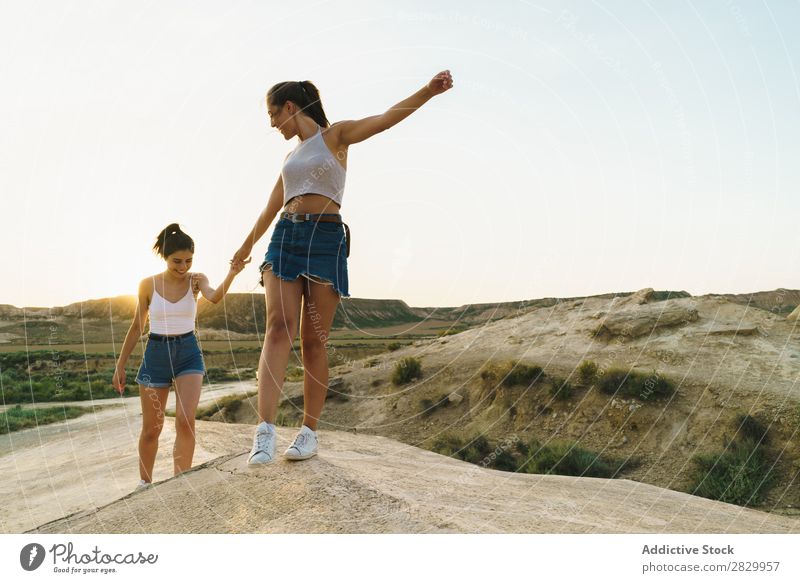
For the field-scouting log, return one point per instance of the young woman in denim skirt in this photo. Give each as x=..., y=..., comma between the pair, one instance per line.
x=172, y=354
x=309, y=240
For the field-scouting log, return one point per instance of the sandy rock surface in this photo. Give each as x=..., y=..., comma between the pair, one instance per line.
x=371, y=484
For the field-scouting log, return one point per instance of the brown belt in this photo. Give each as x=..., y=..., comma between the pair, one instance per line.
x=319, y=217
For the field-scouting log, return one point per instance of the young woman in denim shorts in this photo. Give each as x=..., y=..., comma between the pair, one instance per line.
x=309, y=240
x=172, y=354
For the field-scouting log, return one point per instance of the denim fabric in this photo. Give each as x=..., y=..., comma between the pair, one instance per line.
x=166, y=360
x=309, y=248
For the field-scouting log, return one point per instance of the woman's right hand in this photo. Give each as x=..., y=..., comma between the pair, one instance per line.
x=119, y=379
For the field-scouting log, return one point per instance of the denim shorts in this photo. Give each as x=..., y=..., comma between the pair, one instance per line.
x=316, y=250
x=169, y=357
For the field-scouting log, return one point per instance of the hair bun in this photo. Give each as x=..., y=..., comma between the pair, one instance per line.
x=172, y=239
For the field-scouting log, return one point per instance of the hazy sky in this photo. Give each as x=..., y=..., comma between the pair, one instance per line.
x=586, y=147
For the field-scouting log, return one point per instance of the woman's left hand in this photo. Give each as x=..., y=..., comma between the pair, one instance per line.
x=441, y=82
x=238, y=265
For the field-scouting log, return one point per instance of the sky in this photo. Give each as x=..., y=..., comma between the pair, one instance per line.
x=585, y=148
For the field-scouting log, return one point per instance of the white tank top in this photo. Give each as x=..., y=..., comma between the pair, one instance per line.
x=170, y=318
x=312, y=168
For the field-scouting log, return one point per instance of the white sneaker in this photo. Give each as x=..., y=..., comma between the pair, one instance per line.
x=304, y=446
x=142, y=485
x=263, y=451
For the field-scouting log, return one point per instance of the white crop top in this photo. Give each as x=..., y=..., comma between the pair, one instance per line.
x=170, y=318
x=312, y=168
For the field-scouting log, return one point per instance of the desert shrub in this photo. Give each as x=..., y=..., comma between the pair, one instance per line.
x=509, y=373
x=505, y=461
x=587, y=372
x=295, y=373
x=451, y=331
x=447, y=444
x=472, y=450
x=561, y=389
x=392, y=346
x=216, y=374
x=408, y=369
x=741, y=474
x=429, y=406
x=568, y=459
x=561, y=458
x=631, y=383
x=16, y=418
x=750, y=428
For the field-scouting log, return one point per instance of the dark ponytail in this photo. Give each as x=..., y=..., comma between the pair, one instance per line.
x=172, y=239
x=304, y=94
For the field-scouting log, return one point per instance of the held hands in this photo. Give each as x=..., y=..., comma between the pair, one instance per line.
x=242, y=256
x=441, y=82
x=237, y=265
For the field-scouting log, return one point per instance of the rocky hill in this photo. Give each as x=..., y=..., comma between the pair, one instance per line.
x=726, y=360
x=732, y=363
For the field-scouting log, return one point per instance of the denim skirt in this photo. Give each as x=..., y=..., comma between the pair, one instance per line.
x=168, y=357
x=315, y=250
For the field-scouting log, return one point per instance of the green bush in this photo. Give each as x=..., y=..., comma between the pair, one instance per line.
x=587, y=372
x=568, y=459
x=448, y=444
x=561, y=458
x=509, y=373
x=408, y=369
x=392, y=346
x=428, y=406
x=295, y=373
x=741, y=474
x=16, y=418
x=631, y=383
x=505, y=461
x=750, y=428
x=216, y=374
x=523, y=374
x=451, y=331
x=561, y=389
x=472, y=450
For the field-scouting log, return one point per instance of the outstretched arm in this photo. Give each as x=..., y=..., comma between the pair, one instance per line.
x=355, y=131
x=274, y=205
x=200, y=282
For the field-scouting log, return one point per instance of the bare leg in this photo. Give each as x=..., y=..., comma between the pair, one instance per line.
x=187, y=392
x=154, y=402
x=283, y=308
x=319, y=308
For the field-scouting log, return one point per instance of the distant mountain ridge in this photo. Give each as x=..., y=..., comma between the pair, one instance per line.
x=245, y=312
